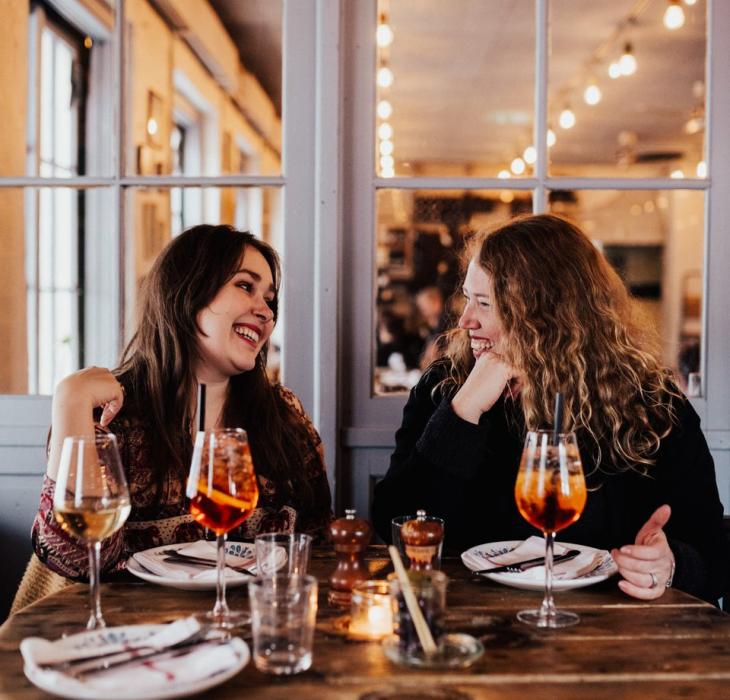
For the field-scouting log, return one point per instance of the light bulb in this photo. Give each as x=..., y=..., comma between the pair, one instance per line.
x=530, y=155
x=673, y=15
x=690, y=2
x=387, y=161
x=385, y=109
x=551, y=138
x=517, y=166
x=506, y=196
x=592, y=94
x=504, y=174
x=677, y=174
x=386, y=148
x=614, y=70
x=385, y=131
x=627, y=62
x=383, y=34
x=385, y=77
x=702, y=169
x=152, y=126
x=387, y=172
x=567, y=118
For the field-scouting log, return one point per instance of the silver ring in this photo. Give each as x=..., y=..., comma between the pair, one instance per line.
x=654, y=580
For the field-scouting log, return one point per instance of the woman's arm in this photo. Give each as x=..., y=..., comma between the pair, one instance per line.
x=436, y=456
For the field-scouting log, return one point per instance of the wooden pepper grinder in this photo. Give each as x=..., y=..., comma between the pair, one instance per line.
x=350, y=537
x=422, y=538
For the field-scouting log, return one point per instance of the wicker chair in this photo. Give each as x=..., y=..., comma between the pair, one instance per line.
x=38, y=581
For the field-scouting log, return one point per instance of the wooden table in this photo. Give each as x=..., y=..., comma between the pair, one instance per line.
x=677, y=647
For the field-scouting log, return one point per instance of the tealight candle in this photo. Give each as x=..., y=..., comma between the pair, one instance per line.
x=371, y=615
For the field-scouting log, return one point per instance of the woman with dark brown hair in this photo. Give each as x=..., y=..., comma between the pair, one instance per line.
x=208, y=307
x=544, y=312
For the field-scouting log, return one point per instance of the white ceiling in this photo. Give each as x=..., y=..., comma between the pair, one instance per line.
x=464, y=75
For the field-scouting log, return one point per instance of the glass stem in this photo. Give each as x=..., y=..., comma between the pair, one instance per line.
x=95, y=618
x=547, y=609
x=221, y=607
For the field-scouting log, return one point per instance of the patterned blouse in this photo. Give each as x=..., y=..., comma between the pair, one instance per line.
x=152, y=523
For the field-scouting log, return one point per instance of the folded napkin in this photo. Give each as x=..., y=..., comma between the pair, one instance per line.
x=153, y=561
x=534, y=547
x=191, y=665
x=42, y=652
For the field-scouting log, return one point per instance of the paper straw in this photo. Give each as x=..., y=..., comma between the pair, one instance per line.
x=558, y=424
x=419, y=622
x=201, y=407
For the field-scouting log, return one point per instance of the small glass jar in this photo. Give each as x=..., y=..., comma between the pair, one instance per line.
x=371, y=615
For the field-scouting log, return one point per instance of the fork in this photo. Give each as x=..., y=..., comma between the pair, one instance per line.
x=175, y=556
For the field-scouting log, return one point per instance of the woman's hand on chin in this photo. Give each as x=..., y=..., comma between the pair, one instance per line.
x=483, y=387
x=88, y=389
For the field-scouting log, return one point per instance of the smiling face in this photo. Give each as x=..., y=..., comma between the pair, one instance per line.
x=238, y=321
x=480, y=313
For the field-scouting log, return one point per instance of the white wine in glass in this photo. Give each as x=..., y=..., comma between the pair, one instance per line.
x=91, y=500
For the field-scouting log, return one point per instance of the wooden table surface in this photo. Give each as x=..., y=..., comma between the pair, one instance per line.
x=676, y=647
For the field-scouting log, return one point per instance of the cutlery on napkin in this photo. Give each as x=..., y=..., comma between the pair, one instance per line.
x=518, y=566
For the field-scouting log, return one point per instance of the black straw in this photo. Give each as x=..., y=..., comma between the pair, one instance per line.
x=558, y=424
x=201, y=407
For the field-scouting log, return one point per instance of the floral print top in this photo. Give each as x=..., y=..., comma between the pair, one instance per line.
x=154, y=522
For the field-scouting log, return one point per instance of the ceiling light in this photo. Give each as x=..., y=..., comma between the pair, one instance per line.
x=385, y=109
x=385, y=77
x=385, y=131
x=567, y=118
x=690, y=2
x=504, y=174
x=387, y=161
x=530, y=155
x=384, y=33
x=386, y=148
x=677, y=174
x=592, y=94
x=517, y=166
x=551, y=138
x=387, y=172
x=152, y=126
x=614, y=70
x=627, y=62
x=674, y=15
x=702, y=169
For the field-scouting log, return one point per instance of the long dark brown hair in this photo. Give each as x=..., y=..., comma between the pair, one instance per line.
x=571, y=326
x=157, y=366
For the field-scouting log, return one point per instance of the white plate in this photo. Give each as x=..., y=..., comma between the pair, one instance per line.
x=534, y=579
x=128, y=685
x=233, y=579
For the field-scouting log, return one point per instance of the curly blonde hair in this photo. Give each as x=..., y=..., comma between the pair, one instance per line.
x=571, y=326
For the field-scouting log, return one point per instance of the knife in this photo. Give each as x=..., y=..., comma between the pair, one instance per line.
x=529, y=563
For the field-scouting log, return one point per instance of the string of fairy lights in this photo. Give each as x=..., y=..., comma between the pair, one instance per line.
x=617, y=66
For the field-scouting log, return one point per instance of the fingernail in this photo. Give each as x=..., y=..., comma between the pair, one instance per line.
x=626, y=550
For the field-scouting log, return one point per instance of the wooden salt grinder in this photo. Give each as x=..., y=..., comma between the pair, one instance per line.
x=421, y=539
x=350, y=537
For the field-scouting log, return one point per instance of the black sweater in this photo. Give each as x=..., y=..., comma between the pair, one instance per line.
x=466, y=473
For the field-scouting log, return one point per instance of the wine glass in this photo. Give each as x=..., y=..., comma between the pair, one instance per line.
x=223, y=492
x=91, y=500
x=550, y=494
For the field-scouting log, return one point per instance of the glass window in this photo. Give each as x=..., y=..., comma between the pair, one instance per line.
x=634, y=84
x=447, y=102
x=420, y=242
x=213, y=70
x=655, y=240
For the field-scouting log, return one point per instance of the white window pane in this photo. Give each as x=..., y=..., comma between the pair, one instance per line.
x=45, y=343
x=64, y=233
x=46, y=97
x=46, y=216
x=63, y=112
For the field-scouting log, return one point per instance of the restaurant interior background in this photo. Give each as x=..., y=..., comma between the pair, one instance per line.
x=367, y=141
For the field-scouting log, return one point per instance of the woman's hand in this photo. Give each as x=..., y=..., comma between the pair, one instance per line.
x=88, y=389
x=483, y=387
x=648, y=564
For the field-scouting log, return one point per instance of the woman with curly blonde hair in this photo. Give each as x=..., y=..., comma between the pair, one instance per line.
x=544, y=312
